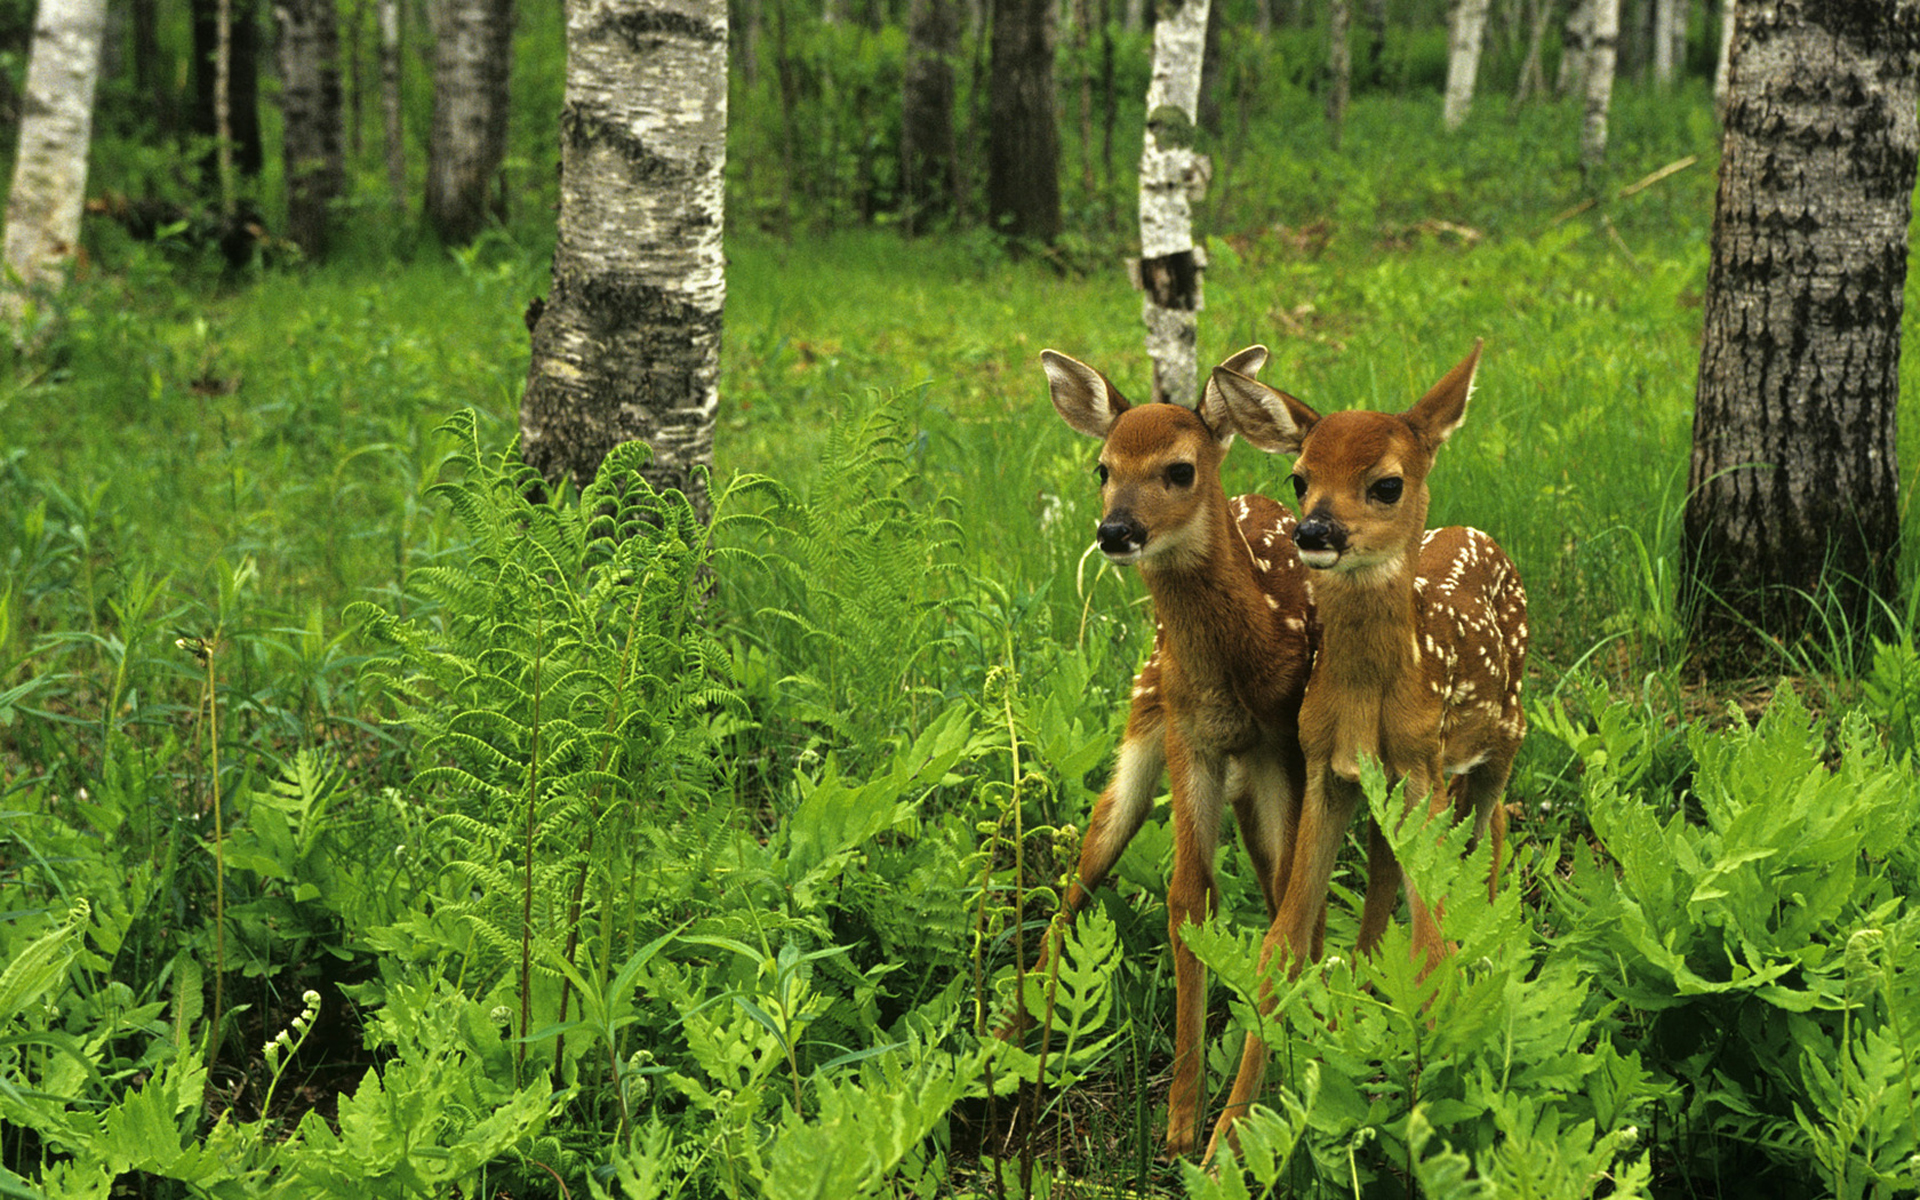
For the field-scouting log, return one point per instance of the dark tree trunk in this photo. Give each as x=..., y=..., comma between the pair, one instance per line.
x=472, y=61
x=1793, y=490
x=627, y=347
x=310, y=109
x=928, y=162
x=1023, y=142
x=243, y=99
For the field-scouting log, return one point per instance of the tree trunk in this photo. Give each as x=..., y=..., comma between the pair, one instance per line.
x=310, y=108
x=1172, y=177
x=928, y=155
x=1533, y=80
x=1023, y=142
x=1339, y=67
x=1464, y=35
x=1793, y=488
x=1602, y=36
x=472, y=60
x=1669, y=39
x=1722, y=71
x=395, y=138
x=1373, y=15
x=1576, y=46
x=628, y=344
x=230, y=78
x=56, y=129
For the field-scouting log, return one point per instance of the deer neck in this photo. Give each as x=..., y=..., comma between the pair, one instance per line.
x=1368, y=674
x=1208, y=603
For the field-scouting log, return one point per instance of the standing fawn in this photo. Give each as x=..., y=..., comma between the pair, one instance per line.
x=1423, y=640
x=1217, y=703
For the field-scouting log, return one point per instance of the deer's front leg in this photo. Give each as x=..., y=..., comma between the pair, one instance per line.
x=1324, y=814
x=1198, y=779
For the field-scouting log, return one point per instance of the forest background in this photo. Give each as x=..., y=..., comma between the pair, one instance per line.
x=370, y=829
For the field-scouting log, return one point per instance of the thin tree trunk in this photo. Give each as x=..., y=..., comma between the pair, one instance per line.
x=1373, y=18
x=1723, y=69
x=1576, y=47
x=1793, y=491
x=1599, y=90
x=56, y=129
x=472, y=62
x=627, y=346
x=1172, y=177
x=310, y=106
x=1339, y=67
x=1023, y=141
x=1666, y=16
x=1464, y=36
x=928, y=154
x=1533, y=79
x=395, y=138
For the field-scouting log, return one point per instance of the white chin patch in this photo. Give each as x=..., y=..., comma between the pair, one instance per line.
x=1123, y=558
x=1319, y=560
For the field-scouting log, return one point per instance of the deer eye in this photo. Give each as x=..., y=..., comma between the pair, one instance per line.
x=1387, y=491
x=1100, y=469
x=1180, y=474
x=1299, y=487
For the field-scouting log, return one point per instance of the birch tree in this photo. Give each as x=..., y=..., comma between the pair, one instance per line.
x=1603, y=37
x=1339, y=66
x=1172, y=176
x=1465, y=32
x=1793, y=490
x=56, y=127
x=472, y=60
x=393, y=139
x=627, y=344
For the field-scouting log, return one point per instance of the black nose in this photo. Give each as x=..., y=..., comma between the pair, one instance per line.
x=1121, y=534
x=1315, y=533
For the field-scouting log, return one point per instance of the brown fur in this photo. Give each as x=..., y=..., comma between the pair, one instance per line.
x=1217, y=703
x=1423, y=644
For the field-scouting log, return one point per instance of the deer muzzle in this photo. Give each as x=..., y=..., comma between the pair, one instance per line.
x=1121, y=536
x=1320, y=541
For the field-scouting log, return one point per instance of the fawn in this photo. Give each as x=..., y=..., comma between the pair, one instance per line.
x=1423, y=641
x=1217, y=703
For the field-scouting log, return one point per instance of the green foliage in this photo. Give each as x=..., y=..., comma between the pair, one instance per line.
x=665, y=861
x=1747, y=936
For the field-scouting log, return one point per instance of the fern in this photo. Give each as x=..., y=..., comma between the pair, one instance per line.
x=559, y=687
x=859, y=605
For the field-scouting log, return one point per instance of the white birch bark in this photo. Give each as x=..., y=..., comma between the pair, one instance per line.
x=56, y=127
x=627, y=346
x=1667, y=17
x=394, y=132
x=1464, y=36
x=1172, y=177
x=1575, y=44
x=1605, y=35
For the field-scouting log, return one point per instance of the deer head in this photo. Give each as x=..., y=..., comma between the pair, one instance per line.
x=1360, y=477
x=1159, y=465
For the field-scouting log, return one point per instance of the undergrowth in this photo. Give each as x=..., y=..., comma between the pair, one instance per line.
x=371, y=829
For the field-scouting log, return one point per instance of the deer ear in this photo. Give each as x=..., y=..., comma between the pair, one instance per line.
x=1442, y=409
x=1270, y=419
x=1081, y=395
x=1248, y=361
